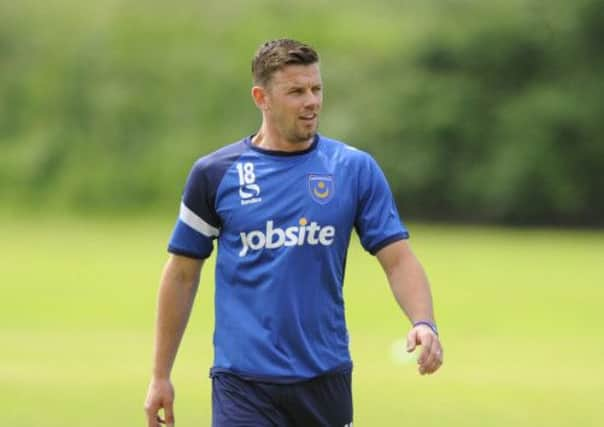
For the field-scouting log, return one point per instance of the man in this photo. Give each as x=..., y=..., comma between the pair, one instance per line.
x=282, y=204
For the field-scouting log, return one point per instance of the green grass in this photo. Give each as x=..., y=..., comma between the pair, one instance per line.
x=519, y=312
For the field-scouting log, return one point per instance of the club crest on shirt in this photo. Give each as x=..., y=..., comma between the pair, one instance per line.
x=321, y=188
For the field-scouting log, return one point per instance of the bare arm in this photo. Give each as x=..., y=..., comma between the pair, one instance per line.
x=411, y=290
x=179, y=283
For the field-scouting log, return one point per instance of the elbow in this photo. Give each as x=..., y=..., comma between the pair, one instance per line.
x=182, y=273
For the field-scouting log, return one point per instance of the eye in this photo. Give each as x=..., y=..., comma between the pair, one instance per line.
x=317, y=89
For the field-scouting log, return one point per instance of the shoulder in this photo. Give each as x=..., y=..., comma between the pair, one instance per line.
x=345, y=152
x=208, y=171
x=220, y=159
x=211, y=168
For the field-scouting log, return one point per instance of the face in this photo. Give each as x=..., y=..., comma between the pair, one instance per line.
x=292, y=102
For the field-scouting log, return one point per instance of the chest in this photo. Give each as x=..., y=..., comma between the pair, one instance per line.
x=255, y=191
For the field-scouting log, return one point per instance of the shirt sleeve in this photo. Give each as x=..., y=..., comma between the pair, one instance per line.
x=377, y=220
x=198, y=223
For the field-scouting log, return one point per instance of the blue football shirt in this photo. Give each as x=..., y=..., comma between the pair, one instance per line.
x=283, y=223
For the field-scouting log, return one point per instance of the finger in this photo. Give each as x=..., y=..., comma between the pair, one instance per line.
x=431, y=362
x=426, y=348
x=433, y=367
x=169, y=414
x=154, y=421
x=440, y=357
x=411, y=340
x=151, y=411
x=436, y=357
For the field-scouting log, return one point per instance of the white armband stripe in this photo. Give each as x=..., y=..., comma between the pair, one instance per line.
x=196, y=223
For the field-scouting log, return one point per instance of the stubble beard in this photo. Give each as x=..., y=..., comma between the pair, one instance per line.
x=299, y=136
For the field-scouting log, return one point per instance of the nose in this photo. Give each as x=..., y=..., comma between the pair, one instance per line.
x=313, y=100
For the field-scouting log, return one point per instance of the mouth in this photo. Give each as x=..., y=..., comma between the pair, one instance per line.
x=308, y=117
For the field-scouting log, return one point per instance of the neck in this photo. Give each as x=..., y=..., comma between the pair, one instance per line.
x=275, y=142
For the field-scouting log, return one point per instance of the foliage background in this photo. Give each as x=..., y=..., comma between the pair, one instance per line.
x=478, y=112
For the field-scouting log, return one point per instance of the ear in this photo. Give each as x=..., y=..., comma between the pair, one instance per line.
x=259, y=96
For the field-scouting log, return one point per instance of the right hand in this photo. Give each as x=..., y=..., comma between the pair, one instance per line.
x=160, y=395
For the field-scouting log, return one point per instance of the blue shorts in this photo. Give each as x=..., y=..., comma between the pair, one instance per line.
x=325, y=401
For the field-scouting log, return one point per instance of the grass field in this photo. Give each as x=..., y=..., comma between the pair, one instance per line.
x=520, y=313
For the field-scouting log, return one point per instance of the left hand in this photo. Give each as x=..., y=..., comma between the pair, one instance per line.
x=431, y=357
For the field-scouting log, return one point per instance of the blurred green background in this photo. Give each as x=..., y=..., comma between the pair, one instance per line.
x=487, y=114
x=477, y=111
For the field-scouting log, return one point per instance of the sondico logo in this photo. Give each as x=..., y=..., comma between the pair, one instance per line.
x=272, y=238
x=249, y=191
